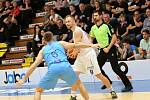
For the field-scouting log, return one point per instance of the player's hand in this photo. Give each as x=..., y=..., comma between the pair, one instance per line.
x=20, y=82
x=106, y=50
x=72, y=53
x=72, y=56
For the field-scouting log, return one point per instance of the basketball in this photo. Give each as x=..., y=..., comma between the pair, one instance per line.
x=72, y=53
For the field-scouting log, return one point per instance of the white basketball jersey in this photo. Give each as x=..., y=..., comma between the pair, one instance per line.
x=85, y=39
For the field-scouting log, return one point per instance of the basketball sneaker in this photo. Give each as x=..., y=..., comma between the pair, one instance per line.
x=73, y=98
x=113, y=94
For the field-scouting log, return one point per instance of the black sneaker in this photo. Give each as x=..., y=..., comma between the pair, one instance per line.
x=113, y=94
x=73, y=98
x=103, y=87
x=127, y=89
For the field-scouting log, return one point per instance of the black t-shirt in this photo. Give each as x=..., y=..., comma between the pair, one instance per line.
x=122, y=28
x=60, y=31
x=136, y=4
x=136, y=30
x=114, y=24
x=123, y=5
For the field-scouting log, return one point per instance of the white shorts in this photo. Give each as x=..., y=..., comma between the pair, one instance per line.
x=87, y=62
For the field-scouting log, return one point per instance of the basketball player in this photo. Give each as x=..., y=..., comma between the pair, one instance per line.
x=86, y=54
x=58, y=66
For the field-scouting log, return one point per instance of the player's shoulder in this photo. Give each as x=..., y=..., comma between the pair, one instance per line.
x=78, y=30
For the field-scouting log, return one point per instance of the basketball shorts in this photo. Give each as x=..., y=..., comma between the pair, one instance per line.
x=57, y=71
x=87, y=62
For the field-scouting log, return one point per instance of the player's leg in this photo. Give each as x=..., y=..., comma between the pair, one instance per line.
x=80, y=68
x=106, y=82
x=102, y=58
x=79, y=85
x=97, y=71
x=100, y=76
x=47, y=82
x=82, y=88
x=38, y=93
x=72, y=79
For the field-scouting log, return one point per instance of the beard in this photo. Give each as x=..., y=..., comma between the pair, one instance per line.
x=95, y=20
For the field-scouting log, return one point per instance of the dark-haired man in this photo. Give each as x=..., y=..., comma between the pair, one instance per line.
x=106, y=39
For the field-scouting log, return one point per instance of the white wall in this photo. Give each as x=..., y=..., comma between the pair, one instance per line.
x=137, y=70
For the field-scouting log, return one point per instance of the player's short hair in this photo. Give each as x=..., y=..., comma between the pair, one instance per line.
x=48, y=36
x=70, y=17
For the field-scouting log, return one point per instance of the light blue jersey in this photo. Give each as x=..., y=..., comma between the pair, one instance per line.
x=54, y=53
x=58, y=66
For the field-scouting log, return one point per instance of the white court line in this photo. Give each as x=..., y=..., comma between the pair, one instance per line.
x=31, y=90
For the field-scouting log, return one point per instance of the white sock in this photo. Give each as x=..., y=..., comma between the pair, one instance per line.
x=73, y=93
x=110, y=89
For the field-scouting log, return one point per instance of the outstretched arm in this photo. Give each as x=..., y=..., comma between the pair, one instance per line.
x=32, y=68
x=67, y=45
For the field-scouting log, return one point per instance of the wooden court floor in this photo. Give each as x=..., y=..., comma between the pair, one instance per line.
x=102, y=96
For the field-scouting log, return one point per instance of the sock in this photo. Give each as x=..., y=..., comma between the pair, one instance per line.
x=73, y=93
x=110, y=89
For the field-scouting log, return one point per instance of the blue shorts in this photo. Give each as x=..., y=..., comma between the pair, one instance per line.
x=57, y=71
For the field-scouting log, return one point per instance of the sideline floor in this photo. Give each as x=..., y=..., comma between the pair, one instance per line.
x=96, y=96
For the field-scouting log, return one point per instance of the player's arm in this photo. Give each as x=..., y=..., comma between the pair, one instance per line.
x=77, y=36
x=91, y=38
x=68, y=45
x=32, y=68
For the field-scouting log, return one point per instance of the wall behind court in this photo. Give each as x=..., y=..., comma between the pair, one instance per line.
x=135, y=70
